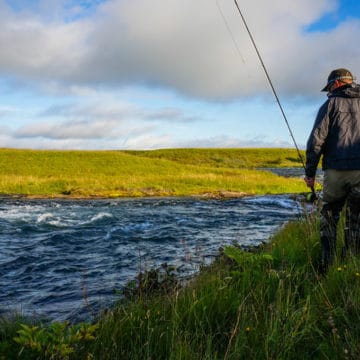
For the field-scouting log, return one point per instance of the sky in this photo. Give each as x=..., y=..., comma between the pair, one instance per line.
x=141, y=74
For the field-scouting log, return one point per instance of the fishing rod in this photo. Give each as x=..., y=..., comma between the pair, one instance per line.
x=313, y=195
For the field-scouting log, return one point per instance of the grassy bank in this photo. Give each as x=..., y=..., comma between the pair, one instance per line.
x=268, y=304
x=176, y=172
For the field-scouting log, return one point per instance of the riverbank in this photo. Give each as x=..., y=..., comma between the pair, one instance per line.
x=216, y=173
x=267, y=304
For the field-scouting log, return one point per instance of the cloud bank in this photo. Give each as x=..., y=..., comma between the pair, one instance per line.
x=182, y=45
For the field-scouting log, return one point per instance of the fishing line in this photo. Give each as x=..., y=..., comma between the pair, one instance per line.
x=313, y=195
x=230, y=32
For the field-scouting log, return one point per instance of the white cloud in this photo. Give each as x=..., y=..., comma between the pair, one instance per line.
x=95, y=110
x=104, y=119
x=183, y=45
x=224, y=141
x=70, y=130
x=33, y=48
x=149, y=142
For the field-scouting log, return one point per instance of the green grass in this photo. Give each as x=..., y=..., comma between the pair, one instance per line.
x=229, y=158
x=178, y=172
x=267, y=304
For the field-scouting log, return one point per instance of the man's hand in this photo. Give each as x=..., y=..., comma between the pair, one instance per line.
x=310, y=181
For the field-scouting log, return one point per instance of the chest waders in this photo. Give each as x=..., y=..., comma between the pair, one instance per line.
x=329, y=219
x=352, y=227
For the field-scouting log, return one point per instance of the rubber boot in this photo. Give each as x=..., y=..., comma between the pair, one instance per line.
x=330, y=215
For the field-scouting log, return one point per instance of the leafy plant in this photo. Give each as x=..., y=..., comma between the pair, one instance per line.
x=155, y=281
x=245, y=258
x=57, y=341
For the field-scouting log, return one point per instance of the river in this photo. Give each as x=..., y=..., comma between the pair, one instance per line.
x=55, y=254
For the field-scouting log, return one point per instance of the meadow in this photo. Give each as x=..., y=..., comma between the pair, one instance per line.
x=172, y=172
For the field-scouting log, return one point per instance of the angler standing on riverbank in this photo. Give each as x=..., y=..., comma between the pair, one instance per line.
x=336, y=136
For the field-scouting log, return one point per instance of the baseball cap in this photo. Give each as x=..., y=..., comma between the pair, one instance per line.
x=338, y=74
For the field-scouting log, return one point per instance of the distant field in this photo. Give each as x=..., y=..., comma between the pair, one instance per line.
x=230, y=158
x=172, y=172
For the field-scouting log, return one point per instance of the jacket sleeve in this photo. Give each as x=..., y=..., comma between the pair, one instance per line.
x=316, y=141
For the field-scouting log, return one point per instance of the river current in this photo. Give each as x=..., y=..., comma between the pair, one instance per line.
x=65, y=259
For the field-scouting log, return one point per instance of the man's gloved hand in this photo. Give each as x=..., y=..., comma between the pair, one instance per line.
x=310, y=181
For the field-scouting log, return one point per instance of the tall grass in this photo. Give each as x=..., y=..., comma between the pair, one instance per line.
x=181, y=172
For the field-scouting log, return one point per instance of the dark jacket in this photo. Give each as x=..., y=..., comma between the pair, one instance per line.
x=336, y=132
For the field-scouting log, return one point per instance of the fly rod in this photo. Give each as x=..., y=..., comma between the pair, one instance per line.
x=313, y=195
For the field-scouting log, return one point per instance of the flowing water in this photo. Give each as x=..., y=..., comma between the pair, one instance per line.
x=63, y=259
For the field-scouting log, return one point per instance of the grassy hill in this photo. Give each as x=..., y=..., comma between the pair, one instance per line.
x=172, y=172
x=229, y=158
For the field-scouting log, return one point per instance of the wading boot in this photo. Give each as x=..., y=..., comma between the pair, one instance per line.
x=352, y=227
x=329, y=218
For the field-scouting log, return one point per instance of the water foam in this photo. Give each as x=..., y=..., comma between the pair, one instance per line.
x=100, y=216
x=44, y=217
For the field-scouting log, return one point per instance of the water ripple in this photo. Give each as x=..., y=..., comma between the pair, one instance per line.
x=57, y=257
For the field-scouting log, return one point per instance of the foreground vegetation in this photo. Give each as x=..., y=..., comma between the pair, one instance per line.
x=266, y=304
x=174, y=172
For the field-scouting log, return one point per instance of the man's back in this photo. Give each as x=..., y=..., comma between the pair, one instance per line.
x=342, y=148
x=336, y=133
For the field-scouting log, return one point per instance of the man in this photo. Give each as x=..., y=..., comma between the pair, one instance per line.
x=336, y=136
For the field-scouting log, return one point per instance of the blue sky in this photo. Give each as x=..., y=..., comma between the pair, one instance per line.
x=124, y=74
